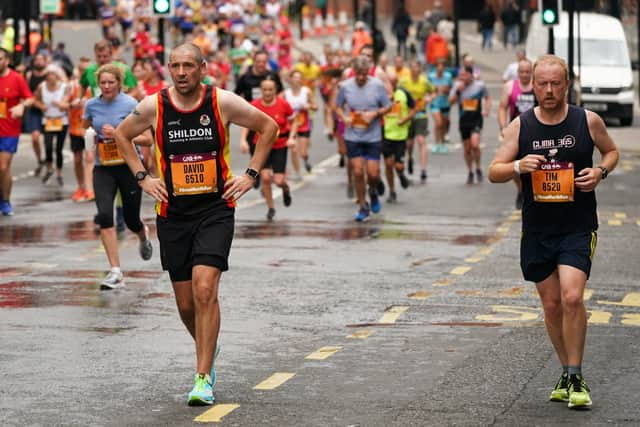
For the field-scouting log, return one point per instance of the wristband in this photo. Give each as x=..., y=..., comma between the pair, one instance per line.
x=516, y=167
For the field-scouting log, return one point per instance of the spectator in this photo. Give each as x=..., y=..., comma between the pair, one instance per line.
x=366, y=15
x=400, y=28
x=510, y=20
x=422, y=32
x=360, y=38
x=63, y=60
x=486, y=23
x=437, y=14
x=436, y=47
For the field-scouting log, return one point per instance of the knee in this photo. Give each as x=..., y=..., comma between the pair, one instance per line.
x=552, y=307
x=104, y=220
x=204, y=293
x=358, y=172
x=572, y=300
x=278, y=179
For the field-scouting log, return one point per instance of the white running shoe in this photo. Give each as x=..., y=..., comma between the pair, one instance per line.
x=114, y=280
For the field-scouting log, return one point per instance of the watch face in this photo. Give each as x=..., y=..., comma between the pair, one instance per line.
x=140, y=175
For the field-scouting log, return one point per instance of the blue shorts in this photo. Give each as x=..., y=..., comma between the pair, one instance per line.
x=9, y=144
x=368, y=150
x=33, y=120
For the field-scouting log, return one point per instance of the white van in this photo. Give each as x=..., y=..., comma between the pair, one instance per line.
x=604, y=72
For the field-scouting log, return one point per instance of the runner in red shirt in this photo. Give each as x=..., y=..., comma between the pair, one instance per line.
x=279, y=110
x=14, y=96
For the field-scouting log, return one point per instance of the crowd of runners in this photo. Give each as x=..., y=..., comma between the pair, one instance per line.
x=131, y=129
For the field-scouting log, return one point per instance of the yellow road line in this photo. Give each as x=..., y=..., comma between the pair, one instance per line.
x=420, y=295
x=473, y=259
x=632, y=299
x=392, y=314
x=599, y=317
x=630, y=319
x=614, y=222
x=442, y=282
x=620, y=215
x=588, y=293
x=461, y=270
x=215, y=414
x=275, y=381
x=360, y=335
x=323, y=353
x=485, y=251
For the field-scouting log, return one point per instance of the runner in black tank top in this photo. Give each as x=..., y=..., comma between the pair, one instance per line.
x=551, y=148
x=195, y=193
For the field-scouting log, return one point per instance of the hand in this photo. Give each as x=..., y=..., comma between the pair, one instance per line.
x=244, y=146
x=403, y=120
x=485, y=113
x=237, y=186
x=347, y=121
x=155, y=188
x=108, y=131
x=588, y=178
x=291, y=142
x=369, y=116
x=531, y=162
x=17, y=111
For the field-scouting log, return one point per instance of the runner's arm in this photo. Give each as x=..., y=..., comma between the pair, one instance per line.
x=503, y=166
x=589, y=178
x=503, y=108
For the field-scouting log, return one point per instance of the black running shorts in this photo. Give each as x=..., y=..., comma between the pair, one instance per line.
x=395, y=149
x=540, y=253
x=201, y=240
x=473, y=126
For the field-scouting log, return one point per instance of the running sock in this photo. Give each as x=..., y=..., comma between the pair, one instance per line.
x=116, y=269
x=565, y=369
x=574, y=370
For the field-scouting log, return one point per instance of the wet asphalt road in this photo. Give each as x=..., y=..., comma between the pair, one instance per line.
x=419, y=317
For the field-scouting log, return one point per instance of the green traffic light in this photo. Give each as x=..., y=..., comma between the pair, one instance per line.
x=549, y=16
x=161, y=6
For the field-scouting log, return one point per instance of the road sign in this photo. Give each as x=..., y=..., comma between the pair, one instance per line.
x=50, y=7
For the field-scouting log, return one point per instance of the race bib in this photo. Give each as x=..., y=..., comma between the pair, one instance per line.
x=255, y=93
x=470, y=104
x=301, y=118
x=357, y=121
x=109, y=153
x=553, y=182
x=194, y=173
x=396, y=110
x=420, y=104
x=3, y=109
x=53, y=124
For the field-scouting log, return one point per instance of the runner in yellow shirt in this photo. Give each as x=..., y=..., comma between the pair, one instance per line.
x=421, y=91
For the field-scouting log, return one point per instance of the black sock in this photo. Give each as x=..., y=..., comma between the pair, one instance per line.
x=574, y=370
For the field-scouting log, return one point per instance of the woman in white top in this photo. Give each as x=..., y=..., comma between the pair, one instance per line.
x=52, y=97
x=301, y=100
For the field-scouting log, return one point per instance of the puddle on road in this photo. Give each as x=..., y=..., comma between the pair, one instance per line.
x=66, y=290
x=348, y=231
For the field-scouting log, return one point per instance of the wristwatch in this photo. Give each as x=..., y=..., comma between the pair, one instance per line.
x=141, y=175
x=605, y=172
x=252, y=173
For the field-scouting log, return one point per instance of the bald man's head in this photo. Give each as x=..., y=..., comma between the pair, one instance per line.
x=188, y=48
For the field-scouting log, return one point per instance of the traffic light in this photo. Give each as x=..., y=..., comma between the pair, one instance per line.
x=161, y=7
x=550, y=11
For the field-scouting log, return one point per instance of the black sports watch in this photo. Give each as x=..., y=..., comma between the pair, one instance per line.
x=605, y=172
x=141, y=175
x=252, y=173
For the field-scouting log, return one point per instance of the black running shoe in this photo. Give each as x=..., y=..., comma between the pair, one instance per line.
x=423, y=176
x=380, y=187
x=410, y=166
x=470, y=178
x=270, y=214
x=404, y=181
x=341, y=164
x=286, y=196
x=307, y=166
x=479, y=175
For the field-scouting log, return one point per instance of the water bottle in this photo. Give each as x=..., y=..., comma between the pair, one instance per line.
x=89, y=138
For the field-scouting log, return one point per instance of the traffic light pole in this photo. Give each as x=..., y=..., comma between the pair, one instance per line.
x=161, y=38
x=551, y=46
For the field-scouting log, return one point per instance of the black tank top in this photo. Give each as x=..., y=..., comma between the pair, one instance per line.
x=194, y=155
x=568, y=141
x=33, y=83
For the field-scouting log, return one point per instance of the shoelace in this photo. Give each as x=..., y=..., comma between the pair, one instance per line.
x=563, y=382
x=579, y=385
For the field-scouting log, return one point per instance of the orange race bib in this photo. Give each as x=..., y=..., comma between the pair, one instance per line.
x=194, y=173
x=420, y=104
x=301, y=118
x=357, y=121
x=553, y=182
x=396, y=110
x=53, y=124
x=470, y=104
x=3, y=109
x=109, y=153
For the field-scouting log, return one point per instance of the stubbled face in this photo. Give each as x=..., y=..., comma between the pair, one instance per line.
x=268, y=89
x=361, y=77
x=103, y=56
x=186, y=72
x=525, y=72
x=550, y=86
x=260, y=64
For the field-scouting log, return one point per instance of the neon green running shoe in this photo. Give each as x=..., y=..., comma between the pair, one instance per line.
x=578, y=393
x=202, y=393
x=561, y=391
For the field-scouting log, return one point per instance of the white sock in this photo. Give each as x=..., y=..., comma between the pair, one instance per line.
x=116, y=270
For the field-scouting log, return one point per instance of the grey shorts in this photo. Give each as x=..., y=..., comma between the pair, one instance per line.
x=419, y=126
